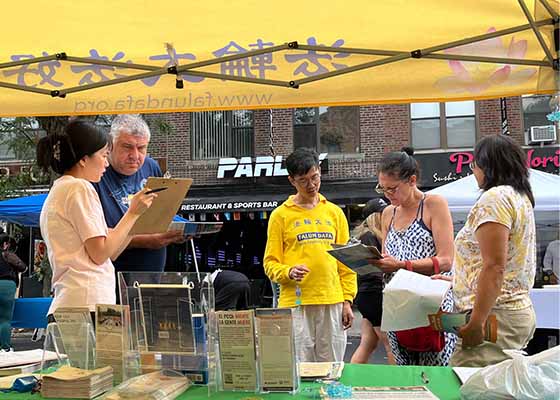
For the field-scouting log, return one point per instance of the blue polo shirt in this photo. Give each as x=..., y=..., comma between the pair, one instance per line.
x=113, y=190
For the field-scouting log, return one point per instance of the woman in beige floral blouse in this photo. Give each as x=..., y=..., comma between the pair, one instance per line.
x=495, y=260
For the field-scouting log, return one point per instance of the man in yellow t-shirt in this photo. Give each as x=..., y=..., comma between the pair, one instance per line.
x=300, y=232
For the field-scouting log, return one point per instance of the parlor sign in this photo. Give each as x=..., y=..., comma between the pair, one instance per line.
x=437, y=169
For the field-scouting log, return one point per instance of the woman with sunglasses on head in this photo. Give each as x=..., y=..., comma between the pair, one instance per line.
x=418, y=236
x=495, y=261
x=79, y=244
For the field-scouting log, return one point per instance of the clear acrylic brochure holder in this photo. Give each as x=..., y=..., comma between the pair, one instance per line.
x=172, y=325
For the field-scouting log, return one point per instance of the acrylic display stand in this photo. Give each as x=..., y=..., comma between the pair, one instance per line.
x=172, y=325
x=277, y=369
x=73, y=345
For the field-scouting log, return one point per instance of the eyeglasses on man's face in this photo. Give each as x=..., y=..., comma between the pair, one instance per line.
x=472, y=165
x=304, y=182
x=388, y=190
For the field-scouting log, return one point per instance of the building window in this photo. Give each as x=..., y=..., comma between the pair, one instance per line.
x=328, y=129
x=443, y=125
x=218, y=134
x=535, y=110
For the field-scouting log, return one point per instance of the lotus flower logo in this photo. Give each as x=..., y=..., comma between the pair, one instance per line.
x=476, y=77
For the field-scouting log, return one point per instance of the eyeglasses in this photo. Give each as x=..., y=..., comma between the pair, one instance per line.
x=472, y=165
x=381, y=190
x=315, y=179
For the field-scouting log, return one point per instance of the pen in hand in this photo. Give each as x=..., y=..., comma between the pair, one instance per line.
x=156, y=190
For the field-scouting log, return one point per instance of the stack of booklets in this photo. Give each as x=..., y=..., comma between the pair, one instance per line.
x=159, y=385
x=20, y=369
x=70, y=382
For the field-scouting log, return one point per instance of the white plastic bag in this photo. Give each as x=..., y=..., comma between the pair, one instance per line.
x=536, y=377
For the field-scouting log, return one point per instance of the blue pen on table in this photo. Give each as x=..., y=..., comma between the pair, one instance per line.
x=156, y=190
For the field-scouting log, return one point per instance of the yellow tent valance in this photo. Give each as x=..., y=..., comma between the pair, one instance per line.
x=66, y=58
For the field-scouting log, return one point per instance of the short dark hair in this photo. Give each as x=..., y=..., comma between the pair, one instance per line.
x=503, y=163
x=301, y=161
x=60, y=152
x=400, y=164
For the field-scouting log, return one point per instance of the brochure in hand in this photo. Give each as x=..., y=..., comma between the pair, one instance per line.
x=450, y=322
x=196, y=228
x=355, y=256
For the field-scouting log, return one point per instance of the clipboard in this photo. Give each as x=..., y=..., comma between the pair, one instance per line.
x=158, y=217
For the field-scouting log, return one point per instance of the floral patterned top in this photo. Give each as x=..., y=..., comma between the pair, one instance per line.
x=502, y=205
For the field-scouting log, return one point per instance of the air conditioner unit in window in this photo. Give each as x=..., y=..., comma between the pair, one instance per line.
x=542, y=134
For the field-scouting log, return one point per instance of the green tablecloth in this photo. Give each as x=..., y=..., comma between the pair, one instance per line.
x=443, y=383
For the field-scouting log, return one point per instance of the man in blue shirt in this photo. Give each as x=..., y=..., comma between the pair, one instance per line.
x=127, y=174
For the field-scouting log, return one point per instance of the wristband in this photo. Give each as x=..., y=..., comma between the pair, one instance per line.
x=435, y=263
x=408, y=265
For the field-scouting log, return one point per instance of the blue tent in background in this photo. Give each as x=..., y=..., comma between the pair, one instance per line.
x=23, y=210
x=27, y=210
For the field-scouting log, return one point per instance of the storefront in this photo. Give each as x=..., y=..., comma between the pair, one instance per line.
x=437, y=169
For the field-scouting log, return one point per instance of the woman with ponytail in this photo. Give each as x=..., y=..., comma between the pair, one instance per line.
x=80, y=246
x=417, y=235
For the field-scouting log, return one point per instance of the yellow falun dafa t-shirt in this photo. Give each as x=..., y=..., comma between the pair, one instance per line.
x=300, y=236
x=502, y=205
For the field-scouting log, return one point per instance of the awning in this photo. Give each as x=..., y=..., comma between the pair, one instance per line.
x=251, y=197
x=62, y=57
x=23, y=210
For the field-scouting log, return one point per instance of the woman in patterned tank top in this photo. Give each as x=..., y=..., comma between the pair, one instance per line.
x=417, y=229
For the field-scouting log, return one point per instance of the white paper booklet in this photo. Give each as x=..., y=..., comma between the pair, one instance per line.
x=13, y=358
x=408, y=299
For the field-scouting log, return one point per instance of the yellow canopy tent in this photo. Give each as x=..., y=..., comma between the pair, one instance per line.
x=92, y=57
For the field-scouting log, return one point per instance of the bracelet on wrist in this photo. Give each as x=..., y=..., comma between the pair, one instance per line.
x=408, y=265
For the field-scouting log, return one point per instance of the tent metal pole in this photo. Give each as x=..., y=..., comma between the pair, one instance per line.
x=164, y=71
x=495, y=60
x=445, y=46
x=252, y=53
x=485, y=36
x=160, y=71
x=549, y=8
x=109, y=63
x=31, y=247
x=187, y=72
x=359, y=67
x=25, y=88
x=199, y=64
x=28, y=61
x=212, y=75
x=350, y=50
x=536, y=31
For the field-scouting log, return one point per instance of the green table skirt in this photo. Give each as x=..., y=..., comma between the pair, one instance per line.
x=443, y=383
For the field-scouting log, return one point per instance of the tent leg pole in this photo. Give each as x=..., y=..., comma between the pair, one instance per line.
x=30, y=268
